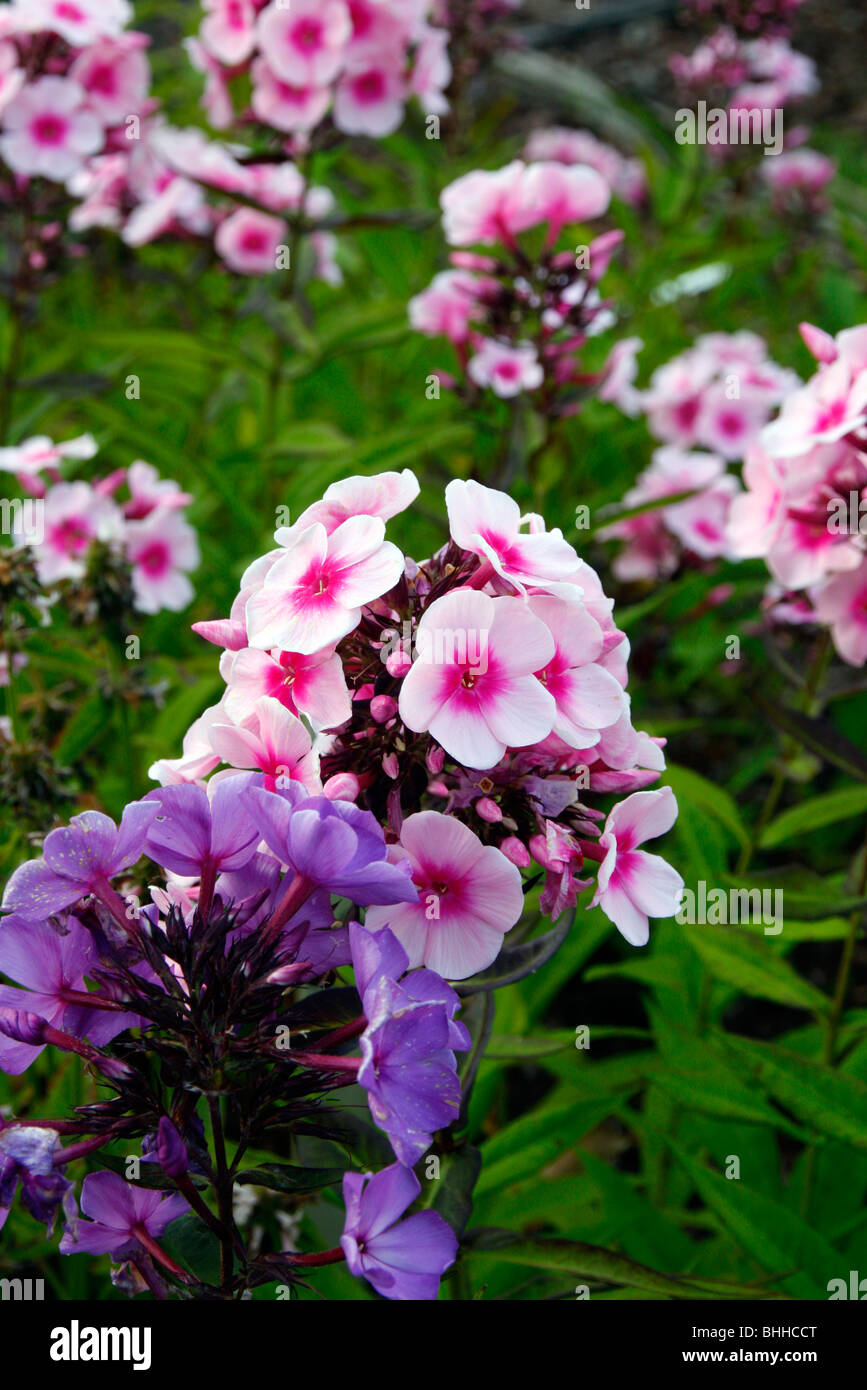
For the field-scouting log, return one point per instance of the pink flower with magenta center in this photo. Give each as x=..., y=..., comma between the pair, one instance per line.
x=472, y=685
x=313, y=592
x=470, y=895
x=305, y=42
x=633, y=885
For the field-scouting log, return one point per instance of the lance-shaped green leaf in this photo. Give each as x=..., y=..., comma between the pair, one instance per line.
x=592, y=1262
x=451, y=1194
x=834, y=1102
x=288, y=1177
x=813, y=814
x=777, y=1238
x=818, y=735
x=739, y=959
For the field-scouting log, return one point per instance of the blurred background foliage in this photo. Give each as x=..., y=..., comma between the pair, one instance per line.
x=714, y=1042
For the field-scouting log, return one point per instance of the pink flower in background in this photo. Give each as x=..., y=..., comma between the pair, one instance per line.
x=39, y=452
x=432, y=71
x=470, y=895
x=473, y=685
x=272, y=740
x=48, y=130
x=115, y=75
x=625, y=177
x=305, y=41
x=488, y=522
x=633, y=885
x=310, y=685
x=284, y=106
x=800, y=176
x=78, y=21
x=496, y=206
x=508, y=369
x=148, y=491
x=842, y=604
x=313, y=592
x=228, y=31
x=447, y=307
x=370, y=95
x=161, y=548
x=74, y=517
x=248, y=241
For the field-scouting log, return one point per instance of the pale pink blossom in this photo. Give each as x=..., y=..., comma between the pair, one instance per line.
x=314, y=590
x=633, y=885
x=74, y=517
x=495, y=206
x=198, y=758
x=587, y=697
x=48, y=129
x=470, y=895
x=305, y=42
x=283, y=106
x=473, y=685
x=227, y=31
x=507, y=368
x=148, y=491
x=271, y=740
x=161, y=548
x=383, y=495
x=625, y=177
x=80, y=22
x=115, y=74
x=432, y=71
x=842, y=604
x=488, y=522
x=217, y=99
x=802, y=173
x=248, y=241
x=370, y=95
x=310, y=685
x=447, y=307
x=39, y=452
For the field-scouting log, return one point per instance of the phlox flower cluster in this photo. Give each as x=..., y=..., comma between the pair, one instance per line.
x=131, y=513
x=474, y=703
x=517, y=309
x=74, y=84
x=743, y=74
x=707, y=405
x=397, y=743
x=625, y=176
x=356, y=63
x=806, y=495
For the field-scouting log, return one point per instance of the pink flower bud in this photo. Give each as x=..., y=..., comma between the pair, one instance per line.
x=488, y=810
x=818, y=342
x=343, y=786
x=437, y=788
x=390, y=766
x=515, y=851
x=398, y=663
x=382, y=708
x=435, y=758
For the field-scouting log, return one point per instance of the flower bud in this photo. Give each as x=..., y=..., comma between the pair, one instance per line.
x=171, y=1149
x=343, y=786
x=22, y=1027
x=515, y=851
x=488, y=810
x=382, y=708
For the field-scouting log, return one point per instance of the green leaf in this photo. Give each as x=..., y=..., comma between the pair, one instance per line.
x=452, y=1193
x=82, y=730
x=818, y=735
x=773, y=1235
x=812, y=815
x=288, y=1177
x=508, y=1049
x=193, y=1244
x=742, y=960
x=690, y=785
x=833, y=1101
x=592, y=1262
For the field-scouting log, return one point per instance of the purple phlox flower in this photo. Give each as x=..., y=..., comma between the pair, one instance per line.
x=119, y=1212
x=379, y=955
x=27, y=1155
x=171, y=1149
x=333, y=844
x=403, y=1260
x=407, y=1068
x=50, y=967
x=78, y=859
x=199, y=836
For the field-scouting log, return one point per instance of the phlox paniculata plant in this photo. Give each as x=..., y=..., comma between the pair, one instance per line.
x=403, y=749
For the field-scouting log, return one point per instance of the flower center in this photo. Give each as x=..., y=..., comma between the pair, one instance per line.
x=48, y=130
